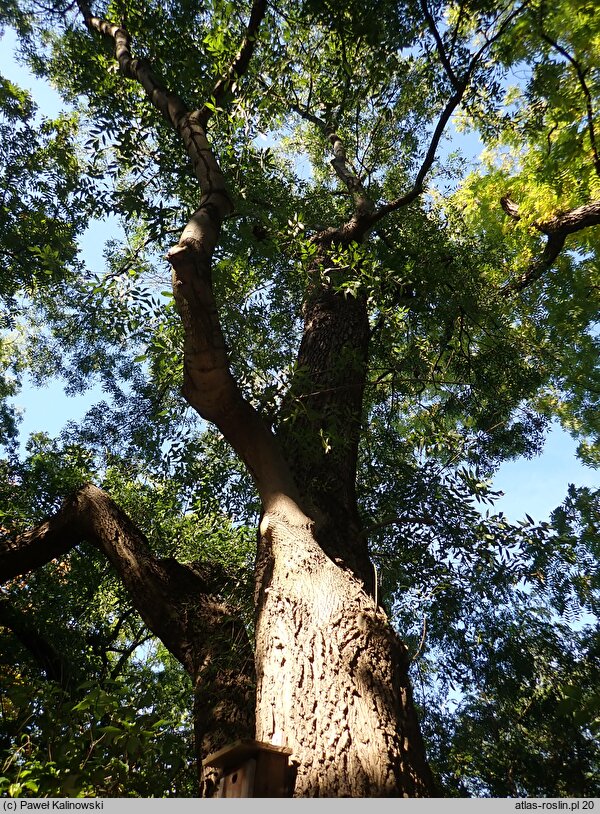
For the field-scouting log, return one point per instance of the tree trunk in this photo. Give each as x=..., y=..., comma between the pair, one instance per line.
x=321, y=424
x=332, y=679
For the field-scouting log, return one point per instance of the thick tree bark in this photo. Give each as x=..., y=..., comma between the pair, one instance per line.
x=321, y=423
x=332, y=676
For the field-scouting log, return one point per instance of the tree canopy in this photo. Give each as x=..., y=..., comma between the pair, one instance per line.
x=363, y=323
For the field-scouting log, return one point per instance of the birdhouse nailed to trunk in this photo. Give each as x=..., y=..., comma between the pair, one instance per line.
x=251, y=768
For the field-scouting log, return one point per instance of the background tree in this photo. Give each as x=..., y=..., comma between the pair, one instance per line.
x=363, y=333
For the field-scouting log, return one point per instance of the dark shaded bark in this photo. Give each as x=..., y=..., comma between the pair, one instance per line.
x=52, y=663
x=321, y=417
x=177, y=602
x=321, y=423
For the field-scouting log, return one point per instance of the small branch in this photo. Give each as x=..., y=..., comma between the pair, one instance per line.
x=240, y=64
x=422, y=642
x=451, y=105
x=586, y=92
x=339, y=162
x=440, y=46
x=363, y=205
x=305, y=113
x=141, y=638
x=456, y=32
x=418, y=185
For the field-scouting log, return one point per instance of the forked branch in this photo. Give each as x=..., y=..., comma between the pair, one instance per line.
x=460, y=85
x=444, y=58
x=345, y=172
x=556, y=229
x=208, y=383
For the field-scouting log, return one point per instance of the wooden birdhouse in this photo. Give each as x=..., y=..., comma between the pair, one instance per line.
x=251, y=769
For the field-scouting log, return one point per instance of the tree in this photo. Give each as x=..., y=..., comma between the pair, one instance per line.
x=364, y=341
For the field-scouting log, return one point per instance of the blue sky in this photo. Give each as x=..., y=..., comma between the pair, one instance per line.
x=534, y=486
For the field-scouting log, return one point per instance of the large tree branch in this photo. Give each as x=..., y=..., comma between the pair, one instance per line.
x=572, y=221
x=162, y=591
x=186, y=123
x=556, y=229
x=208, y=383
x=51, y=539
x=177, y=602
